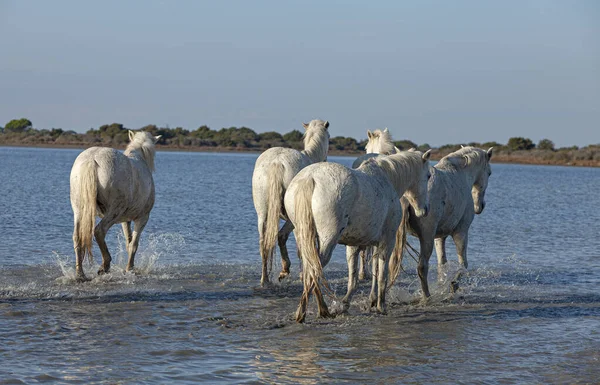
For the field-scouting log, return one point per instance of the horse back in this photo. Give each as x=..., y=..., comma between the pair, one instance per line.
x=125, y=184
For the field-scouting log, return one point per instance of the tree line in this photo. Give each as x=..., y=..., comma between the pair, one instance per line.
x=22, y=132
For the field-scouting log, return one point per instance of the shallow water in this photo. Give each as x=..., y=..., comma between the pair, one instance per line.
x=527, y=311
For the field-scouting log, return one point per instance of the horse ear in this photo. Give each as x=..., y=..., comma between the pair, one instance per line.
x=385, y=130
x=327, y=124
x=489, y=153
x=426, y=155
x=131, y=135
x=412, y=149
x=305, y=126
x=461, y=146
x=157, y=138
x=397, y=149
x=369, y=134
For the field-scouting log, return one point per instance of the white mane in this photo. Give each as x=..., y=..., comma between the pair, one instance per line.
x=464, y=157
x=142, y=142
x=316, y=140
x=399, y=167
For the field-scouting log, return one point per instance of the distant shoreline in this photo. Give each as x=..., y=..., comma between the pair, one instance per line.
x=436, y=155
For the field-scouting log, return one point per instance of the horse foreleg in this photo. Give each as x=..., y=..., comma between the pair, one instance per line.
x=382, y=254
x=423, y=268
x=132, y=247
x=127, y=232
x=361, y=266
x=352, y=254
x=282, y=238
x=461, y=240
x=440, y=251
x=374, y=274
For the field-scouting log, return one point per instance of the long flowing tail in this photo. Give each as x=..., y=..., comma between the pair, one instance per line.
x=274, y=202
x=86, y=207
x=306, y=233
x=395, y=264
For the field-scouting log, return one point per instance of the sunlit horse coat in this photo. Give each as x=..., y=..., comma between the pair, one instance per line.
x=119, y=188
x=456, y=193
x=329, y=204
x=273, y=172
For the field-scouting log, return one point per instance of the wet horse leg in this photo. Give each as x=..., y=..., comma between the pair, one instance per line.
x=282, y=238
x=461, y=241
x=440, y=251
x=426, y=243
x=79, y=253
x=352, y=255
x=264, y=278
x=127, y=232
x=132, y=247
x=362, y=261
x=100, y=233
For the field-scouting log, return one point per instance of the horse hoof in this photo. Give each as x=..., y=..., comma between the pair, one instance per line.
x=102, y=271
x=300, y=317
x=453, y=287
x=382, y=311
x=82, y=278
x=283, y=275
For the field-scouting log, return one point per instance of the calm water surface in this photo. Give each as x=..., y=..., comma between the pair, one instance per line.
x=527, y=311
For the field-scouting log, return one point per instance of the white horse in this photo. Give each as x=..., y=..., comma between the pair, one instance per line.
x=380, y=142
x=329, y=204
x=273, y=172
x=456, y=193
x=118, y=187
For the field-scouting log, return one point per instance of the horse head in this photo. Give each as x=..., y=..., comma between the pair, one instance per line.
x=380, y=142
x=417, y=194
x=481, y=183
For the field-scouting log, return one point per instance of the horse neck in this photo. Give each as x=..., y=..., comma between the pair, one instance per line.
x=315, y=149
x=468, y=173
x=146, y=154
x=402, y=175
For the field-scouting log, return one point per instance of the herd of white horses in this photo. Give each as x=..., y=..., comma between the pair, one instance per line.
x=369, y=208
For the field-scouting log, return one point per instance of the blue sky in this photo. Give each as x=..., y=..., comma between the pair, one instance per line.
x=433, y=72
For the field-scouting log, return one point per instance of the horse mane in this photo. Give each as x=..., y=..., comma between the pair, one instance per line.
x=464, y=157
x=386, y=144
x=143, y=143
x=400, y=167
x=316, y=141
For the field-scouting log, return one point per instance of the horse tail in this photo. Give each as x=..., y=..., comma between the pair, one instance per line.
x=274, y=203
x=305, y=232
x=395, y=264
x=86, y=207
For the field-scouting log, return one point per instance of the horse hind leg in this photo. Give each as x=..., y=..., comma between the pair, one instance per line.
x=264, y=278
x=79, y=253
x=352, y=255
x=132, y=247
x=100, y=234
x=282, y=238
